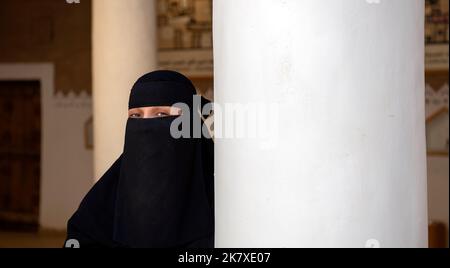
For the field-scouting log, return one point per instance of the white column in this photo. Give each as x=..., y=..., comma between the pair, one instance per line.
x=349, y=168
x=124, y=48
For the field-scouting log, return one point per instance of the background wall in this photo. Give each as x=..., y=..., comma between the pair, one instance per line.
x=438, y=174
x=49, y=31
x=437, y=51
x=58, y=33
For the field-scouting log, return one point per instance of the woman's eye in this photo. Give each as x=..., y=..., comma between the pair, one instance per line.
x=135, y=115
x=161, y=114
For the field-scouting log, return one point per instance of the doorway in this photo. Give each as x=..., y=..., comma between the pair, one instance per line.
x=20, y=155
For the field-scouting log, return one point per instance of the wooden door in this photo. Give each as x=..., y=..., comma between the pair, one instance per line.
x=20, y=154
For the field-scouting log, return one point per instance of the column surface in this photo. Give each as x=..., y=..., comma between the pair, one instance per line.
x=349, y=168
x=124, y=48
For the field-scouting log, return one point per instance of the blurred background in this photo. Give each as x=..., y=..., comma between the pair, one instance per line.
x=46, y=113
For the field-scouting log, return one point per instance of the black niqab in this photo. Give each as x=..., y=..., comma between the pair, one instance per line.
x=159, y=193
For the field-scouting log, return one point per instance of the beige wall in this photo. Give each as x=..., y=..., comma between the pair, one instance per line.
x=58, y=34
x=438, y=189
x=49, y=31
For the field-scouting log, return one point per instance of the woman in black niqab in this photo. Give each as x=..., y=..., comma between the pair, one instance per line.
x=159, y=192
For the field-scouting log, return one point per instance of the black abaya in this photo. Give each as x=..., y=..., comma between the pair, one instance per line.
x=159, y=193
